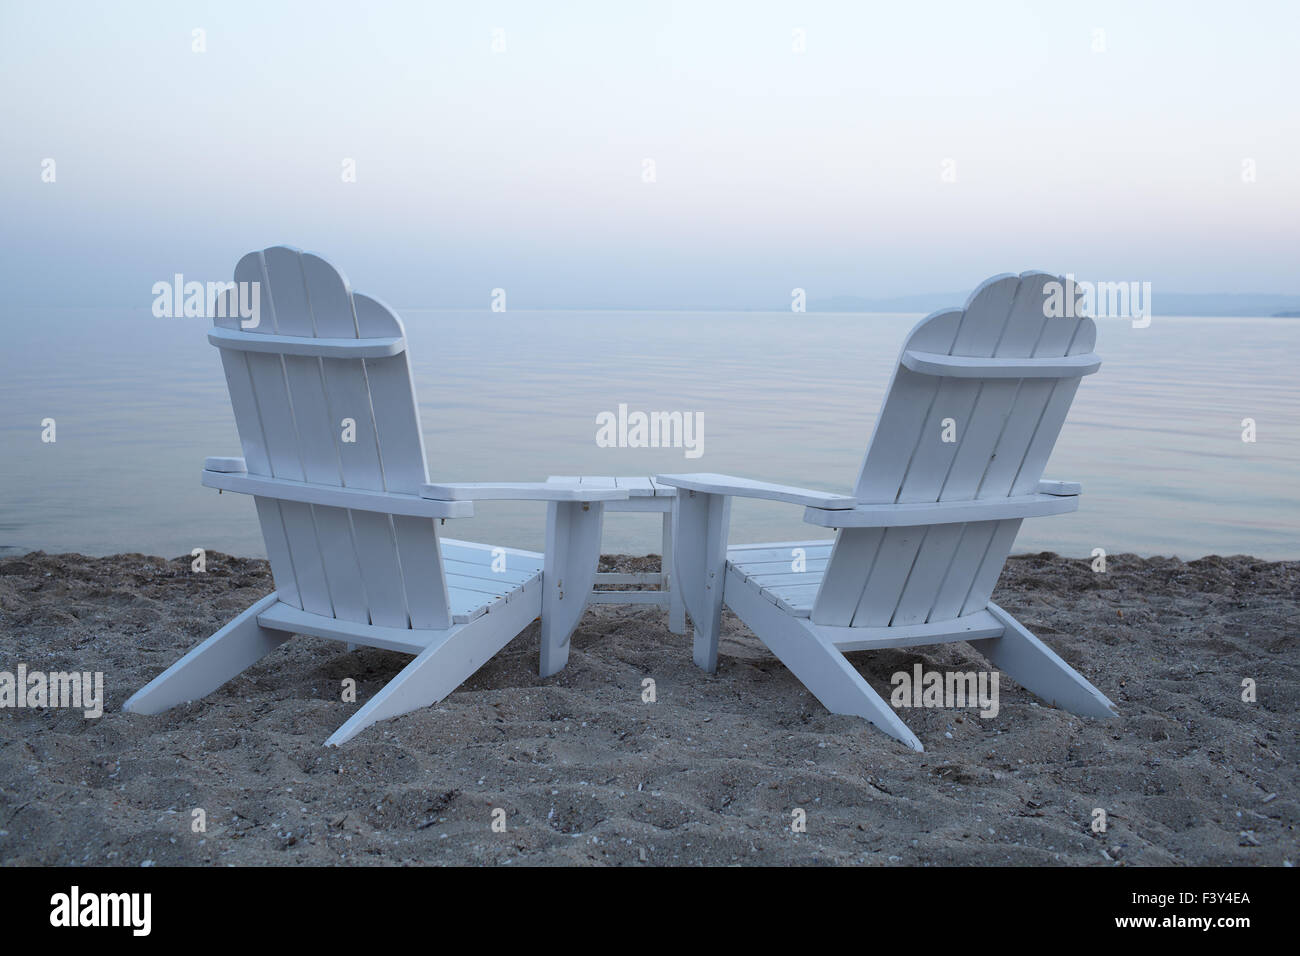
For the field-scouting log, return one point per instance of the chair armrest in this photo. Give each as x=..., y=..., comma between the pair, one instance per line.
x=519, y=491
x=745, y=488
x=1060, y=488
x=912, y=514
x=335, y=496
x=225, y=466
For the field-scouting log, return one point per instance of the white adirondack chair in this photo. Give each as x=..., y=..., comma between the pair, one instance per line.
x=923, y=538
x=351, y=527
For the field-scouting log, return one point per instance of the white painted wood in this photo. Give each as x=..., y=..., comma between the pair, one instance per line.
x=519, y=491
x=676, y=607
x=352, y=348
x=641, y=504
x=951, y=558
x=954, y=585
x=1060, y=488
x=901, y=552
x=780, y=552
x=639, y=486
x=274, y=410
x=817, y=663
x=770, y=575
x=661, y=489
x=659, y=598
x=986, y=575
x=1003, y=324
x=944, y=512
x=295, y=317
x=354, y=548
x=401, y=450
x=237, y=646
x=1040, y=671
x=1056, y=337
x=641, y=578
x=918, y=552
x=444, y=665
x=1082, y=336
x=337, y=497
x=642, y=495
x=963, y=366
x=700, y=524
x=573, y=531
x=226, y=465
x=292, y=620
x=981, y=624
x=745, y=488
x=484, y=571
x=478, y=552
x=360, y=467
x=933, y=559
x=852, y=561
x=254, y=441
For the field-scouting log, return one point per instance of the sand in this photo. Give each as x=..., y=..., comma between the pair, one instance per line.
x=585, y=772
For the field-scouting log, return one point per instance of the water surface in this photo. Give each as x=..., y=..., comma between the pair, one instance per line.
x=1155, y=436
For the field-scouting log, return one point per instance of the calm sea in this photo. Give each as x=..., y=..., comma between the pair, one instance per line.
x=1155, y=437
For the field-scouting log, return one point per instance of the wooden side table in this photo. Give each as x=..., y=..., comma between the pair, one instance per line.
x=644, y=495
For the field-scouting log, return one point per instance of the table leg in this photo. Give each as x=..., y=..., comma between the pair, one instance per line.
x=676, y=607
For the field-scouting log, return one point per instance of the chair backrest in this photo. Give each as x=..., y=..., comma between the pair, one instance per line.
x=956, y=437
x=350, y=421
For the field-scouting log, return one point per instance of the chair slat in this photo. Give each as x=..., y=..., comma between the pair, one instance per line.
x=402, y=457
x=978, y=435
x=960, y=366
x=348, y=398
x=275, y=413
x=978, y=333
x=310, y=408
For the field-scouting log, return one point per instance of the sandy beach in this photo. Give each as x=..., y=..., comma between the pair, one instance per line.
x=586, y=772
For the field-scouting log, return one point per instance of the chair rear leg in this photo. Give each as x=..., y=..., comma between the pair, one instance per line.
x=237, y=646
x=442, y=666
x=1039, y=670
x=819, y=664
x=824, y=670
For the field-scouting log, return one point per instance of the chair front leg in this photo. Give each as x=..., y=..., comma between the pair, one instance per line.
x=700, y=523
x=572, y=555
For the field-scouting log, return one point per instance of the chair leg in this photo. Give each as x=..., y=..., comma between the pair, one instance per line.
x=699, y=565
x=573, y=531
x=676, y=607
x=442, y=666
x=238, y=645
x=819, y=664
x=1039, y=670
x=834, y=681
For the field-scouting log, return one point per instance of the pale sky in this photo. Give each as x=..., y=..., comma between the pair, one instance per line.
x=524, y=169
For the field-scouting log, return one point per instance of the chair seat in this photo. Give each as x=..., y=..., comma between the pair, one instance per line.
x=473, y=587
x=769, y=569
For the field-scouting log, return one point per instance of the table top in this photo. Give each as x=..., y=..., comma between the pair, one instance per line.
x=635, y=486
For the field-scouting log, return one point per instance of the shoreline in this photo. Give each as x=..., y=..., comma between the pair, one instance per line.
x=709, y=773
